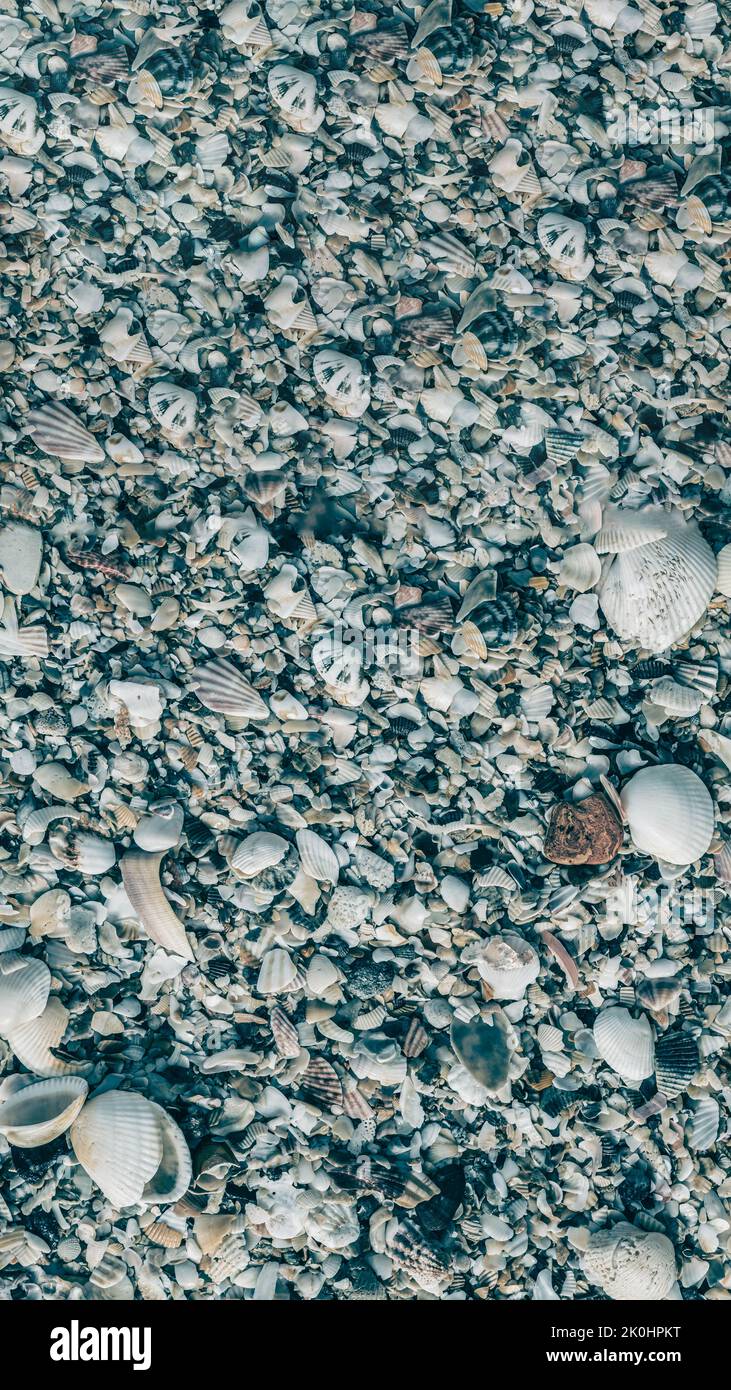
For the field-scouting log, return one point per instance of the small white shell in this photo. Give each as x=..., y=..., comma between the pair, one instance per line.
x=57, y=431
x=580, y=568
x=24, y=987
x=625, y=1043
x=295, y=94
x=318, y=859
x=343, y=381
x=173, y=407
x=40, y=1112
x=508, y=964
x=257, y=852
x=20, y=557
x=277, y=974
x=628, y=1263
x=669, y=812
x=654, y=593
x=562, y=238
x=676, y=699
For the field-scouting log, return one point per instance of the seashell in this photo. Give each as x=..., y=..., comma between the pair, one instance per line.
x=343, y=381
x=41, y=1111
x=483, y=1049
x=56, y=779
x=656, y=994
x=33, y=1042
x=508, y=964
x=286, y=1039
x=141, y=878
x=625, y=1043
x=704, y=1125
x=18, y=118
x=221, y=687
x=549, y=1039
x=278, y=973
x=131, y=1149
x=295, y=94
x=57, y=431
x=669, y=812
x=36, y=824
x=628, y=1263
x=416, y=1257
x=536, y=703
x=321, y=1080
x=723, y=560
x=322, y=974
x=678, y=700
x=623, y=530
x=244, y=25
x=654, y=593
x=82, y=852
x=20, y=557
x=211, y=151
x=563, y=238
x=701, y=675
x=173, y=407
x=676, y=1062
x=371, y=1018
x=258, y=852
x=580, y=568
x=717, y=744
x=318, y=859
x=25, y=984
x=161, y=831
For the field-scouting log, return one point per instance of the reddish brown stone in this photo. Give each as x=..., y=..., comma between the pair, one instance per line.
x=583, y=832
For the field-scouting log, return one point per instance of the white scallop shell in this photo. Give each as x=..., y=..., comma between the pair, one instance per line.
x=277, y=974
x=141, y=878
x=628, y=1263
x=118, y=1141
x=322, y=974
x=580, y=568
x=536, y=704
x=175, y=1170
x=257, y=852
x=508, y=964
x=318, y=859
x=654, y=594
x=625, y=1043
x=40, y=1112
x=24, y=988
x=295, y=94
x=33, y=1043
x=344, y=382
x=173, y=407
x=723, y=560
x=220, y=686
x=670, y=814
x=18, y=116
x=717, y=744
x=563, y=238
x=57, y=431
x=704, y=1124
x=20, y=557
x=623, y=529
x=676, y=699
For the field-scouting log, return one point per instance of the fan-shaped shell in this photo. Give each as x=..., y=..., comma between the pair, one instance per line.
x=24, y=988
x=563, y=238
x=295, y=94
x=623, y=529
x=676, y=699
x=57, y=431
x=704, y=1125
x=40, y=1112
x=318, y=859
x=580, y=568
x=277, y=974
x=676, y=1062
x=508, y=964
x=120, y=1141
x=33, y=1042
x=723, y=560
x=628, y=1263
x=20, y=557
x=625, y=1043
x=141, y=878
x=221, y=687
x=257, y=852
x=654, y=594
x=173, y=407
x=669, y=812
x=343, y=381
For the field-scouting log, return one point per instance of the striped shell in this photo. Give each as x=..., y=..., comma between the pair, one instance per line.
x=676, y=1062
x=220, y=686
x=131, y=1149
x=704, y=1125
x=286, y=1039
x=173, y=407
x=625, y=1043
x=257, y=852
x=321, y=1080
x=277, y=974
x=669, y=812
x=33, y=1042
x=141, y=878
x=508, y=964
x=57, y=431
x=628, y=1263
x=317, y=857
x=656, y=590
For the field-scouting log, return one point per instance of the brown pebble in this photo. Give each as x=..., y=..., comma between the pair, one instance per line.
x=585, y=832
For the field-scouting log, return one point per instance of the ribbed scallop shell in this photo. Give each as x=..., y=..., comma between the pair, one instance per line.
x=18, y=115
x=317, y=857
x=678, y=700
x=221, y=687
x=343, y=381
x=37, y=1114
x=699, y=675
x=295, y=94
x=57, y=431
x=508, y=964
x=623, y=529
x=32, y=1043
x=277, y=974
x=141, y=878
x=321, y=1080
x=536, y=704
x=676, y=1062
x=628, y=1263
x=704, y=1125
x=118, y=1141
x=257, y=852
x=173, y=407
x=723, y=560
x=24, y=987
x=286, y=1039
x=625, y=1043
x=654, y=594
x=669, y=812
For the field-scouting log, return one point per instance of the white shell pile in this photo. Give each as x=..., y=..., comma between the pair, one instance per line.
x=364, y=536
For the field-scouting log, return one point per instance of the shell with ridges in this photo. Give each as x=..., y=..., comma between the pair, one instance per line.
x=141, y=878
x=669, y=812
x=38, y=1113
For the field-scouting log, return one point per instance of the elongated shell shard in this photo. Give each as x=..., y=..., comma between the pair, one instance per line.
x=58, y=432
x=141, y=877
x=669, y=812
x=37, y=1114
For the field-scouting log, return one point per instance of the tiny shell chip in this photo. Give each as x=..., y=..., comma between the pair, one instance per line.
x=20, y=557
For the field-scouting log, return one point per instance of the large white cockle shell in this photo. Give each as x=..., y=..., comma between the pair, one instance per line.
x=628, y=1263
x=131, y=1149
x=625, y=1043
x=661, y=580
x=669, y=811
